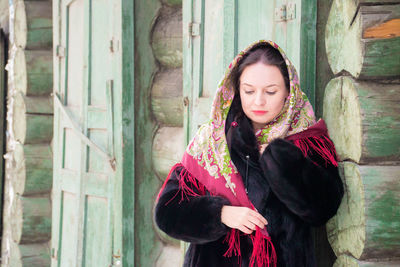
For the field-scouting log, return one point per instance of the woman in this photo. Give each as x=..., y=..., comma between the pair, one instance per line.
x=258, y=175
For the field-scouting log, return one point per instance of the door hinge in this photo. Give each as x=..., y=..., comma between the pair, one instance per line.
x=60, y=51
x=114, y=45
x=285, y=12
x=194, y=29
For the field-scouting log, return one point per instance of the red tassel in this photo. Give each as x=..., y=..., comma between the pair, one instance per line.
x=322, y=145
x=173, y=169
x=264, y=253
x=233, y=240
x=187, y=184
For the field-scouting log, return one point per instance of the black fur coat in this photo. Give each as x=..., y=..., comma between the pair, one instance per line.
x=291, y=191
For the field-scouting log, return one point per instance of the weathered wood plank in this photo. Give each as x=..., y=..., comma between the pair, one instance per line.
x=33, y=169
x=363, y=119
x=367, y=222
x=27, y=255
x=167, y=38
x=166, y=97
x=33, y=72
x=352, y=46
x=33, y=25
x=168, y=148
x=388, y=29
x=31, y=219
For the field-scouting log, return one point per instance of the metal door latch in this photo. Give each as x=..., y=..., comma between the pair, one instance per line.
x=285, y=12
x=194, y=29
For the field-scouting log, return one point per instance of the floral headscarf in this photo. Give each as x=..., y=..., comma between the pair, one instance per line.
x=209, y=146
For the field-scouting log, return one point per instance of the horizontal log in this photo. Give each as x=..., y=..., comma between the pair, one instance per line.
x=175, y=3
x=363, y=119
x=167, y=38
x=347, y=261
x=33, y=72
x=32, y=128
x=382, y=211
x=30, y=219
x=27, y=255
x=33, y=104
x=33, y=25
x=168, y=148
x=166, y=97
x=367, y=222
x=363, y=39
x=33, y=169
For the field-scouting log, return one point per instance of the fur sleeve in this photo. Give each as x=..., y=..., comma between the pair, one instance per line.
x=309, y=190
x=195, y=219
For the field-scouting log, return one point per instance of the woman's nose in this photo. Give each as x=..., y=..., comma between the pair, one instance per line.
x=260, y=100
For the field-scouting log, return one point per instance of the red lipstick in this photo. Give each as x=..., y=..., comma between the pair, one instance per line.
x=259, y=112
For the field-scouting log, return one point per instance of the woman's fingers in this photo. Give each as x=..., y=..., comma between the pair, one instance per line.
x=245, y=230
x=242, y=218
x=259, y=217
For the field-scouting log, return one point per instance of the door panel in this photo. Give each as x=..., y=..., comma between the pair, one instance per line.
x=84, y=179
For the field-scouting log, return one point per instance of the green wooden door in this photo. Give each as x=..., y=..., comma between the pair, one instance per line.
x=215, y=31
x=84, y=170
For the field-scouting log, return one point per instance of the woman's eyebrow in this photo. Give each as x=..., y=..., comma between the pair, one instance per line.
x=270, y=85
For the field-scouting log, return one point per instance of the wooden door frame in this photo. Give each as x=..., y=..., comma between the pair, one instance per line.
x=128, y=132
x=3, y=124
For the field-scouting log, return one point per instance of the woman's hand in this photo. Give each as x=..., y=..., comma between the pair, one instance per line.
x=242, y=218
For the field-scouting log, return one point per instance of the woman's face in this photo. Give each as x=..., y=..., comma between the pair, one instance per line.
x=262, y=93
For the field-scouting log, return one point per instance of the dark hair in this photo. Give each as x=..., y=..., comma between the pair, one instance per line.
x=264, y=53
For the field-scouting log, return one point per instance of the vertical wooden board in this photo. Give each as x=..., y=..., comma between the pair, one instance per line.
x=2, y=117
x=101, y=43
x=213, y=57
x=230, y=31
x=293, y=32
x=58, y=64
x=280, y=27
x=75, y=57
x=67, y=252
x=97, y=246
x=125, y=71
x=255, y=22
x=308, y=49
x=145, y=185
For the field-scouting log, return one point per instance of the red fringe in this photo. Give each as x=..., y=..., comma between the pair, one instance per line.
x=322, y=145
x=233, y=240
x=263, y=255
x=185, y=178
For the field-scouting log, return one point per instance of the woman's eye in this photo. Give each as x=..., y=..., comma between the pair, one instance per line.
x=270, y=93
x=248, y=92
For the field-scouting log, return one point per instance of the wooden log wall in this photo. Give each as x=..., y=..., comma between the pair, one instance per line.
x=167, y=108
x=361, y=109
x=27, y=199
